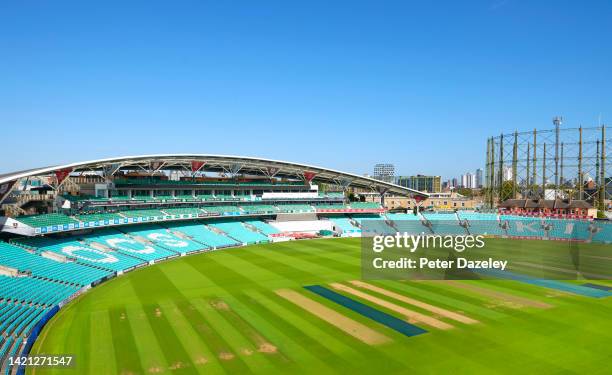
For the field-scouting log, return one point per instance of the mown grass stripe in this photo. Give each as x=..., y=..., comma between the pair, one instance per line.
x=257, y=338
x=222, y=350
x=495, y=294
x=312, y=267
x=348, y=260
x=443, y=297
x=239, y=344
x=85, y=337
x=149, y=352
x=322, y=341
x=176, y=356
x=101, y=345
x=414, y=302
x=367, y=311
x=385, y=304
x=124, y=343
x=311, y=253
x=551, y=284
x=264, y=319
x=288, y=345
x=262, y=262
x=239, y=281
x=392, y=363
x=598, y=286
x=349, y=326
x=204, y=360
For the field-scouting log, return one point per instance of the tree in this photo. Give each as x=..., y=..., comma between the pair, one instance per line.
x=507, y=190
x=465, y=192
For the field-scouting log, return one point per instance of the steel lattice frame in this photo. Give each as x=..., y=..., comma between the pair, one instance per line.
x=571, y=162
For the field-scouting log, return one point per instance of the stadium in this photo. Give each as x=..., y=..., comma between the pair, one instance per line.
x=199, y=264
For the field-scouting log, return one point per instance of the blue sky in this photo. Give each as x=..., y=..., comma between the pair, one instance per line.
x=343, y=84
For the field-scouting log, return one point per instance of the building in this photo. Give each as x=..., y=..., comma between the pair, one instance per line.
x=479, y=178
x=448, y=201
x=468, y=181
x=429, y=184
x=507, y=174
x=384, y=172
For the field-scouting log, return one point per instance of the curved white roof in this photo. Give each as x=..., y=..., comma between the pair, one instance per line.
x=258, y=166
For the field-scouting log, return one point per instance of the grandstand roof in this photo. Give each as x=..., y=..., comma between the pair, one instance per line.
x=220, y=163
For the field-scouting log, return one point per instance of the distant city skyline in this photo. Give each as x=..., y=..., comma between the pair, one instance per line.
x=472, y=179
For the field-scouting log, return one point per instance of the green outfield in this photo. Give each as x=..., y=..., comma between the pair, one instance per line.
x=245, y=310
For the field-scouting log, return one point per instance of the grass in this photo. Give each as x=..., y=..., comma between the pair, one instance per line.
x=211, y=313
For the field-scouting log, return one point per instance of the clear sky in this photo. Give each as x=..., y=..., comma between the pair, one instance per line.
x=342, y=84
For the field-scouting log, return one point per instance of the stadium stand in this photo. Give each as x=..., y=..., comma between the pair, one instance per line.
x=238, y=231
x=200, y=233
x=473, y=215
x=121, y=243
x=330, y=206
x=28, y=290
x=46, y=220
x=604, y=232
x=183, y=211
x=143, y=213
x=581, y=230
x=23, y=302
x=360, y=218
x=377, y=223
x=444, y=223
x=299, y=208
x=258, y=209
x=486, y=227
x=222, y=210
x=110, y=217
x=560, y=229
x=204, y=196
x=365, y=205
x=184, y=197
x=144, y=197
x=164, y=197
x=440, y=216
x=83, y=253
x=161, y=238
x=344, y=224
x=120, y=198
x=48, y=269
x=400, y=216
x=262, y=226
x=518, y=226
x=81, y=198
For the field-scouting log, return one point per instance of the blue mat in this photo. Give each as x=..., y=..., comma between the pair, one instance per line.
x=367, y=311
x=551, y=284
x=597, y=286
